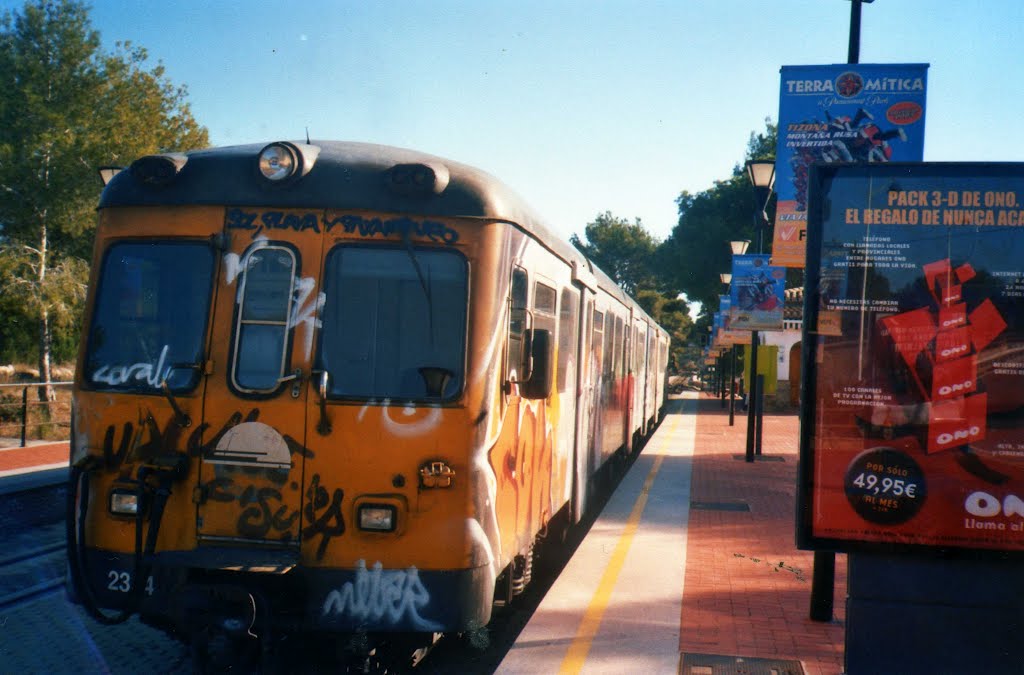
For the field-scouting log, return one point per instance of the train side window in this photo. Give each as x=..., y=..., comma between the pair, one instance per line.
x=567, y=322
x=544, y=299
x=619, y=348
x=517, y=321
x=597, y=343
x=608, y=358
x=265, y=299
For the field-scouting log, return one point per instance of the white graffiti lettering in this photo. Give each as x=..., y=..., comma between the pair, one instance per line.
x=305, y=311
x=409, y=429
x=139, y=372
x=377, y=595
x=233, y=263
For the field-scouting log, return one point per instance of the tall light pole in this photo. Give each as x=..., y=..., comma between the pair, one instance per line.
x=823, y=572
x=738, y=247
x=853, y=53
x=726, y=278
x=761, y=173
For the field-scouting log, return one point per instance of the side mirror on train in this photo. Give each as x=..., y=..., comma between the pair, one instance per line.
x=540, y=353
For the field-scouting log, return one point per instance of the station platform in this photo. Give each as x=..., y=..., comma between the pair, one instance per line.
x=37, y=456
x=691, y=567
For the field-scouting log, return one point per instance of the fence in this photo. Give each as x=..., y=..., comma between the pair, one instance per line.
x=35, y=419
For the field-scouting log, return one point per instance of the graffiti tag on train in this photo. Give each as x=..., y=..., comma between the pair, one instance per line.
x=323, y=514
x=151, y=374
x=132, y=447
x=403, y=227
x=388, y=595
x=237, y=219
x=263, y=507
x=258, y=222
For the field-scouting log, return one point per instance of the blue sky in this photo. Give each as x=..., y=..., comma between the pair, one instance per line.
x=581, y=107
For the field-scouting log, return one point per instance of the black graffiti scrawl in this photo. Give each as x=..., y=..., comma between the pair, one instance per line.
x=323, y=513
x=139, y=442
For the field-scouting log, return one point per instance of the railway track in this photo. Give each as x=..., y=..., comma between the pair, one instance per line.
x=32, y=560
x=30, y=573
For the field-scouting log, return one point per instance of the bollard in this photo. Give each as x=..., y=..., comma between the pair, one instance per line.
x=24, y=415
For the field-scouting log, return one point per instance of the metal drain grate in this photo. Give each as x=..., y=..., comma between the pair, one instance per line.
x=720, y=506
x=716, y=664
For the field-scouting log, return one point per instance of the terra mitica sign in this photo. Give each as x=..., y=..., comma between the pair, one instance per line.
x=913, y=404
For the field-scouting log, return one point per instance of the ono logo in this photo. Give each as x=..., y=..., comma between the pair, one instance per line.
x=983, y=505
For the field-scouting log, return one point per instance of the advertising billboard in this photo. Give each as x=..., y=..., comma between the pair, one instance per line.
x=912, y=428
x=757, y=293
x=870, y=113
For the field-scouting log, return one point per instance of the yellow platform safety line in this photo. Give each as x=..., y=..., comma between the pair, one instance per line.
x=580, y=647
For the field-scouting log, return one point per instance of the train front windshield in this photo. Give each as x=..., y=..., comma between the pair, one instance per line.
x=394, y=323
x=151, y=309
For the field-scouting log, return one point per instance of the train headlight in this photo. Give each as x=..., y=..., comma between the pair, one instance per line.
x=377, y=517
x=282, y=161
x=278, y=162
x=124, y=502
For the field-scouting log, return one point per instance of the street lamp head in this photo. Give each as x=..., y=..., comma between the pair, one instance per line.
x=761, y=173
x=739, y=247
x=726, y=277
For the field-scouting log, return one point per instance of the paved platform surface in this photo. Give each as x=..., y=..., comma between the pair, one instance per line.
x=692, y=565
x=37, y=456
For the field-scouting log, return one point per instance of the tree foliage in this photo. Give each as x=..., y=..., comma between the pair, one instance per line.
x=628, y=253
x=623, y=250
x=698, y=249
x=68, y=107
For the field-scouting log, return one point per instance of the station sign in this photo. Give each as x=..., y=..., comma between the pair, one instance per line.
x=912, y=433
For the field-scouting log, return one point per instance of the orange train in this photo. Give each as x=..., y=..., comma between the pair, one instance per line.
x=336, y=389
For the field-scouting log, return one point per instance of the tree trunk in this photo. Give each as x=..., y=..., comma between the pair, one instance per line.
x=46, y=393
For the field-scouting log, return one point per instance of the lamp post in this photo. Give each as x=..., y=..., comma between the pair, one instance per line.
x=738, y=247
x=726, y=278
x=761, y=173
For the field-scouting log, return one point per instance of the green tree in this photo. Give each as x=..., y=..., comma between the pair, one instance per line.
x=672, y=314
x=698, y=249
x=630, y=256
x=623, y=250
x=68, y=107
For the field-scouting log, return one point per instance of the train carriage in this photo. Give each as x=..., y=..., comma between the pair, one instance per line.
x=336, y=388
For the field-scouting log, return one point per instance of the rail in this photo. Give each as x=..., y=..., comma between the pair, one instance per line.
x=49, y=415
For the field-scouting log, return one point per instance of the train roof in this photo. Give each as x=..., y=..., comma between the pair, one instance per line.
x=343, y=175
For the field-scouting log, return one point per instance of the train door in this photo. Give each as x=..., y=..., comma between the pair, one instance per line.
x=585, y=410
x=254, y=436
x=542, y=417
x=565, y=398
x=513, y=494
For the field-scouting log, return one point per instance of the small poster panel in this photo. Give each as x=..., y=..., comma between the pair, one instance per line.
x=757, y=294
x=871, y=113
x=912, y=432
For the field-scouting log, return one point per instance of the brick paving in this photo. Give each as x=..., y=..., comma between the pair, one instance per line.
x=15, y=459
x=747, y=589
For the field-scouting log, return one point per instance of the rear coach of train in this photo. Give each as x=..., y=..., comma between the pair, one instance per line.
x=336, y=388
